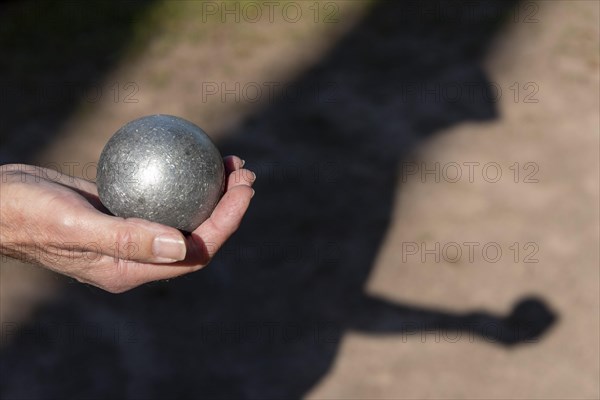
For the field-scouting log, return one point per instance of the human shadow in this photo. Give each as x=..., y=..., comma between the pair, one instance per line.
x=55, y=56
x=266, y=318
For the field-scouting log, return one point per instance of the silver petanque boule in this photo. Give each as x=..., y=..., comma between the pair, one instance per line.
x=163, y=169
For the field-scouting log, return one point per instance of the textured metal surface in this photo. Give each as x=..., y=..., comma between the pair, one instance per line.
x=161, y=168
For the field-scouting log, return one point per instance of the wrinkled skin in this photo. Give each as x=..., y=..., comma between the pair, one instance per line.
x=57, y=220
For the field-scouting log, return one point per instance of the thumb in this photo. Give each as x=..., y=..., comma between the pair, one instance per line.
x=137, y=239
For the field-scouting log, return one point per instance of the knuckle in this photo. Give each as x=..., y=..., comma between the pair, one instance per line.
x=124, y=235
x=234, y=178
x=242, y=176
x=129, y=241
x=68, y=221
x=116, y=289
x=198, y=267
x=119, y=280
x=247, y=175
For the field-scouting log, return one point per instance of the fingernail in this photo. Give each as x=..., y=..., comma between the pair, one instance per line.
x=169, y=248
x=253, y=176
x=243, y=163
x=253, y=191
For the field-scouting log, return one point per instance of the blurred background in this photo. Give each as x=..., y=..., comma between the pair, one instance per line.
x=425, y=222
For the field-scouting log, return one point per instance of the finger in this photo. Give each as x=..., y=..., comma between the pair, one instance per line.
x=233, y=163
x=79, y=184
x=240, y=177
x=224, y=221
x=130, y=239
x=84, y=187
x=52, y=175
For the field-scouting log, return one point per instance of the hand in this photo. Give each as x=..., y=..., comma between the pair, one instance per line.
x=57, y=220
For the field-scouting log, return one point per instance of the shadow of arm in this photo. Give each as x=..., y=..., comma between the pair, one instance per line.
x=529, y=319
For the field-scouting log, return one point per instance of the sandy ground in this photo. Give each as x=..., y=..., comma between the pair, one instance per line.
x=163, y=77
x=550, y=210
x=559, y=213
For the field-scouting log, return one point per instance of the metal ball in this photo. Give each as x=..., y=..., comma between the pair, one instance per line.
x=163, y=169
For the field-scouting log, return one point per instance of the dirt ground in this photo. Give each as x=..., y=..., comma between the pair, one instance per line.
x=560, y=213
x=547, y=68
x=163, y=77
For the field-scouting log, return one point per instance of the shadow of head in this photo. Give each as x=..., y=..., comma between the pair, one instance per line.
x=266, y=318
x=56, y=56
